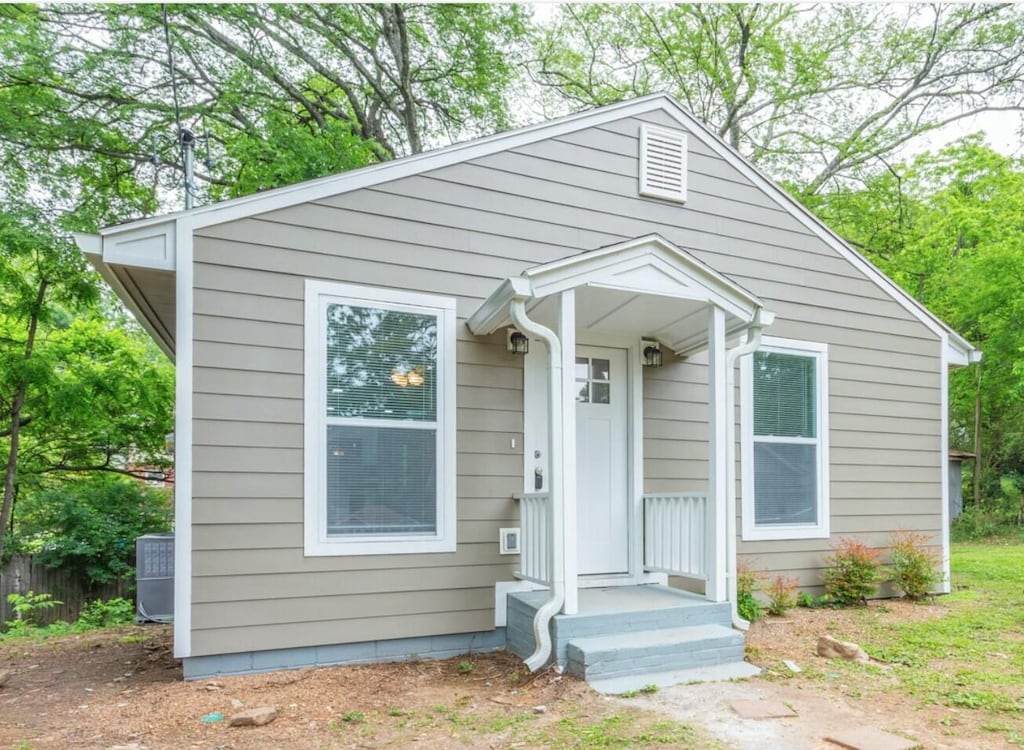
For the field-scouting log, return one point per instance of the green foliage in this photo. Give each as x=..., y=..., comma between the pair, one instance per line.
x=89, y=526
x=913, y=566
x=25, y=606
x=852, y=573
x=747, y=605
x=107, y=614
x=781, y=592
x=797, y=89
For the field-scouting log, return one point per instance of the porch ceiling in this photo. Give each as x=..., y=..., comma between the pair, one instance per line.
x=642, y=288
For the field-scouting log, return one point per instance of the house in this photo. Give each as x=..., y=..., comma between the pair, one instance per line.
x=485, y=396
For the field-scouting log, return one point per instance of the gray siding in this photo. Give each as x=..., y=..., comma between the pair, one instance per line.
x=456, y=231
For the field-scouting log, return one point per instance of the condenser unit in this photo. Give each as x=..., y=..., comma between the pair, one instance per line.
x=154, y=577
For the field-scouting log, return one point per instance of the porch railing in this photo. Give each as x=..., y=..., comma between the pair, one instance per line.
x=675, y=533
x=535, y=538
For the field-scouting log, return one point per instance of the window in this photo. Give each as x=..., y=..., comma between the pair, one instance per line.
x=785, y=441
x=380, y=421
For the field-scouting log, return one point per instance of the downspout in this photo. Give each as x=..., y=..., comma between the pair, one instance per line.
x=542, y=618
x=750, y=344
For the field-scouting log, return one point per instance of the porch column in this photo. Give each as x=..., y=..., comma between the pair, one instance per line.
x=566, y=331
x=718, y=415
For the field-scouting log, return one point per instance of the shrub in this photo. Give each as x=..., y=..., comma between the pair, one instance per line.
x=108, y=614
x=913, y=565
x=748, y=607
x=781, y=594
x=24, y=607
x=852, y=573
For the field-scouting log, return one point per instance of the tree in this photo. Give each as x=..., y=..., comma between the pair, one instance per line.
x=287, y=92
x=949, y=227
x=813, y=94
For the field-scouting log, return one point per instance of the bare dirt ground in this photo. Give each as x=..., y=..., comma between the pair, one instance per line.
x=123, y=688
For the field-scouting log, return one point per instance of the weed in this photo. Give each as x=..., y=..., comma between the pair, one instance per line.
x=852, y=573
x=746, y=582
x=465, y=667
x=781, y=592
x=913, y=565
x=132, y=638
x=353, y=717
x=398, y=712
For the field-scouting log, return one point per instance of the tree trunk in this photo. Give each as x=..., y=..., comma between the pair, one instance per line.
x=977, y=438
x=15, y=414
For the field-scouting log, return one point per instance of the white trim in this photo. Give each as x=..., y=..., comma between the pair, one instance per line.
x=183, y=444
x=635, y=459
x=647, y=131
x=820, y=530
x=945, y=585
x=318, y=294
x=569, y=548
x=718, y=448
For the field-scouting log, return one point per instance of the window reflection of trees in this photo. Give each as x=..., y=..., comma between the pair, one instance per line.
x=381, y=364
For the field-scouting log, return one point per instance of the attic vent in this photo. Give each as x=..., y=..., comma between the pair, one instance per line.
x=662, y=163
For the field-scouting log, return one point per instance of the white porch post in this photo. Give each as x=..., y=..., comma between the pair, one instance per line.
x=567, y=335
x=717, y=451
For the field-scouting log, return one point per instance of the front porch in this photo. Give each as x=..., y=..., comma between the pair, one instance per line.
x=590, y=518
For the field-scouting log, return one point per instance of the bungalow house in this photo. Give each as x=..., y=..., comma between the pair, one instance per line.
x=539, y=390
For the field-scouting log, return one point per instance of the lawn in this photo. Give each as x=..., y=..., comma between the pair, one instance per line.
x=955, y=662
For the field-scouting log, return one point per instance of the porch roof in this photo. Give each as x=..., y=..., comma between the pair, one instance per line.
x=643, y=287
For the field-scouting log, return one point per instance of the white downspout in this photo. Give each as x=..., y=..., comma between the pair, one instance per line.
x=751, y=342
x=542, y=619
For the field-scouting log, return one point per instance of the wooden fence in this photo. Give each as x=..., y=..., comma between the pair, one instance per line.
x=23, y=574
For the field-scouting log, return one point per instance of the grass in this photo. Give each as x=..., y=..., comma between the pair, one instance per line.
x=971, y=657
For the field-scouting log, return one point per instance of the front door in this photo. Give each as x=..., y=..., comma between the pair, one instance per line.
x=602, y=499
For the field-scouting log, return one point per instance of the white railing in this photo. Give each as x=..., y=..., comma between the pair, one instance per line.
x=675, y=534
x=535, y=538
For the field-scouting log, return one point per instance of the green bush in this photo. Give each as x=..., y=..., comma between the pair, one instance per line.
x=88, y=527
x=748, y=607
x=107, y=614
x=852, y=573
x=913, y=565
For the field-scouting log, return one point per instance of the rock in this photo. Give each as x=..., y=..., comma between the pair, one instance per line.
x=830, y=648
x=540, y=709
x=131, y=746
x=792, y=666
x=5, y=675
x=254, y=717
x=235, y=703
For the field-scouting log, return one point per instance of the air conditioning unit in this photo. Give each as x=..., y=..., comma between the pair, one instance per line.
x=154, y=578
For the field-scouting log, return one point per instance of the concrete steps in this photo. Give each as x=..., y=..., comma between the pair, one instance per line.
x=624, y=638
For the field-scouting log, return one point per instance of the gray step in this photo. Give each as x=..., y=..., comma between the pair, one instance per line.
x=627, y=611
x=650, y=651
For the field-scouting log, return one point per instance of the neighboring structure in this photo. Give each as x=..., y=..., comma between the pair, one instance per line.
x=956, y=482
x=358, y=414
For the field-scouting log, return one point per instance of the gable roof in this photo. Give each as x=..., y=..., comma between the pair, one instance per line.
x=961, y=351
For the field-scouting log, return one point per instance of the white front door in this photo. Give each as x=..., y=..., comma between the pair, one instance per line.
x=602, y=497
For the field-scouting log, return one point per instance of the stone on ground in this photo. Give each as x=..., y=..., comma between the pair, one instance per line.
x=5, y=675
x=830, y=648
x=748, y=709
x=254, y=717
x=867, y=738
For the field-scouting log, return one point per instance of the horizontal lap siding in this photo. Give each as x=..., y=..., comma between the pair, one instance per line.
x=456, y=231
x=253, y=588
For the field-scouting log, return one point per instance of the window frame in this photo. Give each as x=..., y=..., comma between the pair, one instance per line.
x=751, y=531
x=318, y=295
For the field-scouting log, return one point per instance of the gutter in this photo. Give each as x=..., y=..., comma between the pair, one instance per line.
x=750, y=344
x=542, y=618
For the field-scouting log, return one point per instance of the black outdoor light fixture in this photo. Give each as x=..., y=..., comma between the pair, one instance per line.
x=517, y=342
x=651, y=353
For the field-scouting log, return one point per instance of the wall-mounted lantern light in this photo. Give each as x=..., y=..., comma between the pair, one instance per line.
x=517, y=342
x=650, y=353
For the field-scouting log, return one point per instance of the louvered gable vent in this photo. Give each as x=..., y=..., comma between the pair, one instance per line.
x=662, y=163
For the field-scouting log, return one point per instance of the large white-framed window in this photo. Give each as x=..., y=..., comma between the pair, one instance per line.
x=379, y=421
x=785, y=452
